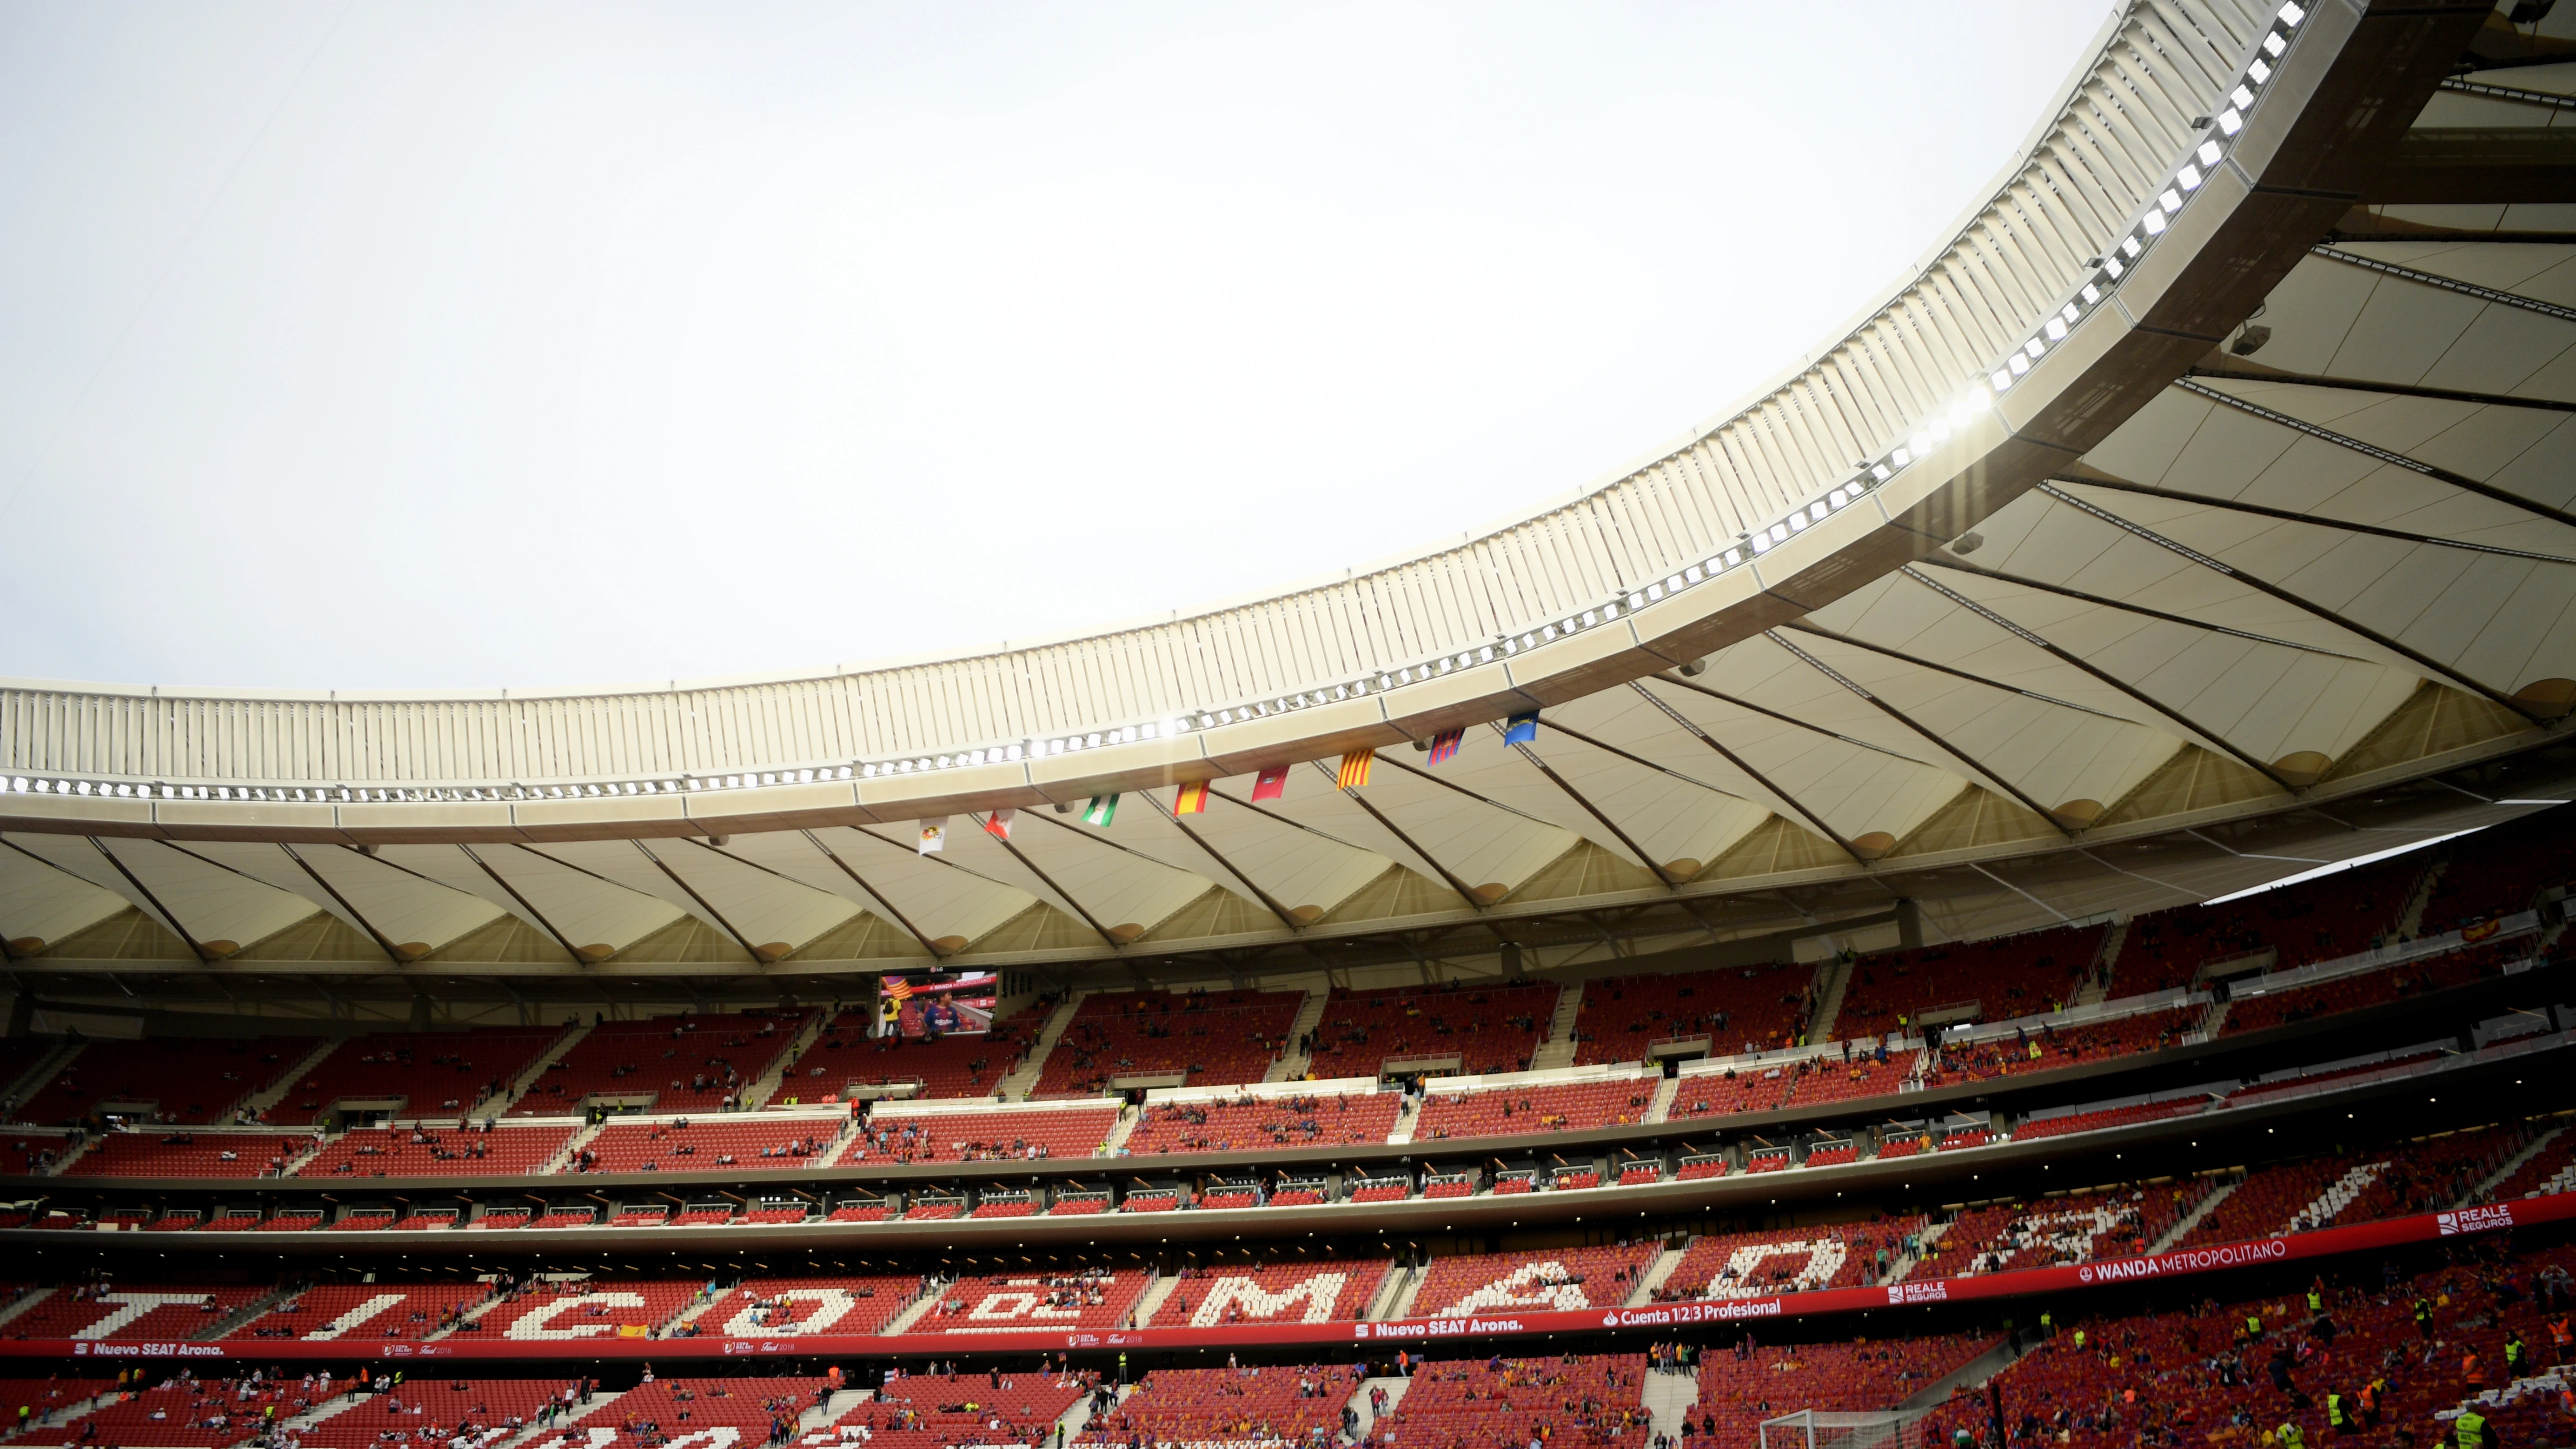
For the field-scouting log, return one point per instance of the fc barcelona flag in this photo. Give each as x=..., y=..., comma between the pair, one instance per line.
x=1193, y=799
x=1355, y=770
x=1444, y=746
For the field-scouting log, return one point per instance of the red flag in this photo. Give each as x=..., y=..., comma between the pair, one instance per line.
x=1192, y=800
x=1272, y=784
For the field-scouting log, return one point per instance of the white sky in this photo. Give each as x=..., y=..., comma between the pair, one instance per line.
x=462, y=345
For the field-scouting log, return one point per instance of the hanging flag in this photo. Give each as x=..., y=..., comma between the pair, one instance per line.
x=894, y=988
x=934, y=836
x=1444, y=746
x=1272, y=784
x=1355, y=769
x=1193, y=799
x=998, y=824
x=1521, y=729
x=1101, y=810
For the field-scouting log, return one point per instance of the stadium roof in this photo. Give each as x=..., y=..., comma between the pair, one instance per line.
x=2213, y=476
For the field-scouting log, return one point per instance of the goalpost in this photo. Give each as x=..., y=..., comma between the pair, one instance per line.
x=1820, y=1429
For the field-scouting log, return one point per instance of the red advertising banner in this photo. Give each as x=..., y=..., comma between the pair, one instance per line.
x=1498, y=1321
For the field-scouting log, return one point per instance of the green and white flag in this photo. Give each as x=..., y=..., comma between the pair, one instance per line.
x=1101, y=810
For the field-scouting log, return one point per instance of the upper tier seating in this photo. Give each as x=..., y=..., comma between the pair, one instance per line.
x=366, y=1312
x=130, y=1313
x=2501, y=870
x=1592, y=1400
x=2319, y=920
x=425, y=1150
x=2050, y=1048
x=681, y=1063
x=1213, y=1039
x=1250, y=1122
x=2032, y=1129
x=158, y=1152
x=2372, y=988
x=1562, y=1278
x=2076, y=1228
x=1265, y=1404
x=432, y=1073
x=712, y=1144
x=1739, y=1009
x=192, y=1081
x=2547, y=1171
x=1522, y=1111
x=548, y=1311
x=26, y=1153
x=1807, y=1081
x=2024, y=975
x=1304, y=1290
x=785, y=1307
x=1490, y=1028
x=1047, y=1302
x=984, y=1136
x=1783, y=1260
x=969, y=1065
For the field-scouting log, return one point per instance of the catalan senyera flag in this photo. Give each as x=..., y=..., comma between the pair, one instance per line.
x=1355, y=770
x=934, y=836
x=1521, y=729
x=1272, y=783
x=998, y=824
x=1101, y=810
x=894, y=988
x=1444, y=746
x=1192, y=799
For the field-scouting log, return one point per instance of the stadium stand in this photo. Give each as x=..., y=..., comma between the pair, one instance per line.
x=2050, y=1047
x=1522, y=1109
x=1595, y=1399
x=1036, y=1303
x=1303, y=1290
x=434, y=1410
x=789, y=1307
x=1234, y=1124
x=583, y=1309
x=1739, y=1009
x=1489, y=1028
x=1260, y=1404
x=708, y=1144
x=158, y=1152
x=2072, y=1228
x=1755, y=1264
x=2372, y=988
x=2319, y=920
x=189, y=1082
x=429, y=1073
x=428, y=1150
x=929, y=1410
x=1209, y=1039
x=362, y=1312
x=1740, y=1388
x=692, y=1064
x=1567, y=1278
x=2011, y=976
x=997, y=1136
x=2499, y=871
x=2035, y=1127
x=131, y=1313
x=652, y=1414
x=964, y=1065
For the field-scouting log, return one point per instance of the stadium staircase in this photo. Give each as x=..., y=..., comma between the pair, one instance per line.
x=339, y=1403
x=2097, y=978
x=1294, y=1062
x=312, y=1148
x=1360, y=1400
x=2410, y=922
x=1905, y=1264
x=2485, y=1189
x=490, y=1302
x=25, y=1301
x=1129, y=1119
x=260, y=1102
x=918, y=1308
x=589, y=1416
x=1969, y=1375
x=1653, y=1278
x=1156, y=1294
x=1018, y=1086
x=1381, y=1306
x=562, y=1161
x=71, y=1155
x=773, y=1077
x=1665, y=1092
x=1557, y=1052
x=1667, y=1397
x=1402, y=1307
x=1832, y=979
x=1406, y=1118
x=245, y=1313
x=47, y=1067
x=2191, y=1220
x=526, y=1082
x=831, y=1411
x=699, y=1309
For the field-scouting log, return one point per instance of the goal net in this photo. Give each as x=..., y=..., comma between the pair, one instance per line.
x=1819, y=1429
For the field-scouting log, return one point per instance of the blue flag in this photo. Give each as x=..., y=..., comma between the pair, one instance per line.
x=1521, y=729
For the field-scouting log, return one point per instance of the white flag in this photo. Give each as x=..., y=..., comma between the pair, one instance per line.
x=934, y=836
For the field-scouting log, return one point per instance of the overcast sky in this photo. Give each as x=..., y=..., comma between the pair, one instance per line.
x=467, y=345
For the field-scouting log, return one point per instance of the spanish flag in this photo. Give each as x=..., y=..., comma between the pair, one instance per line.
x=1272, y=783
x=1193, y=799
x=1355, y=770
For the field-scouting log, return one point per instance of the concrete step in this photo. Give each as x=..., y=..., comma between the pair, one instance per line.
x=2410, y=922
x=773, y=1077
x=1023, y=1080
x=1292, y=1063
x=1129, y=1119
x=1404, y=1301
x=239, y=1316
x=1559, y=1048
x=915, y=1311
x=525, y=1082
x=2097, y=981
x=1967, y=1375
x=1362, y=1397
x=1665, y=1091
x=47, y=1067
x=339, y=1403
x=1654, y=1276
x=2493, y=1180
x=269, y=1096
x=832, y=1410
x=1833, y=979
x=1389, y=1292
x=1668, y=1396
x=1157, y=1293
x=2191, y=1220
x=25, y=1302
x=1406, y=1118
x=489, y=1303
x=694, y=1311
x=580, y=1140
